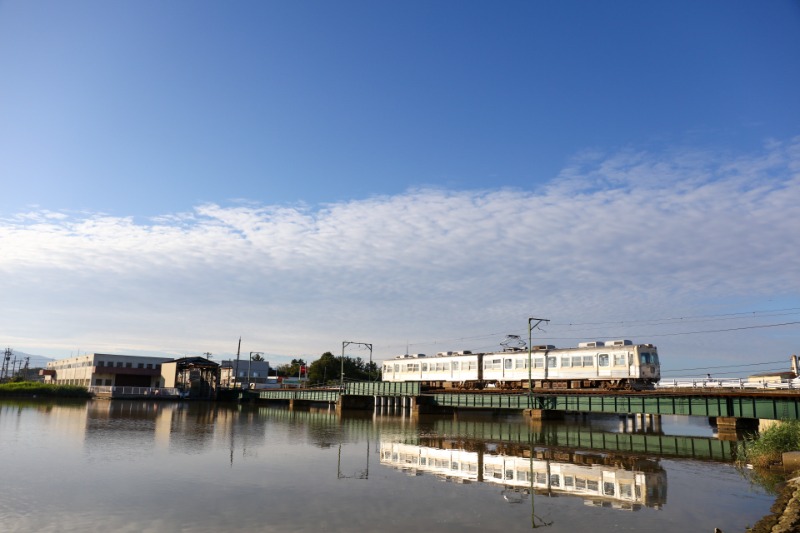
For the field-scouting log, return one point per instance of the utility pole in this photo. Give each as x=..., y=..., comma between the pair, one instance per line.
x=531, y=327
x=236, y=371
x=6, y=359
x=347, y=343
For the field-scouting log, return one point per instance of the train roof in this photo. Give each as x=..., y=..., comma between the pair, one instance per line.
x=536, y=348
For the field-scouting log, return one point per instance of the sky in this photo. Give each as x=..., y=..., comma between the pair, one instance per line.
x=419, y=176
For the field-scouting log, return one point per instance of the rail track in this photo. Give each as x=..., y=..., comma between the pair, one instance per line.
x=651, y=393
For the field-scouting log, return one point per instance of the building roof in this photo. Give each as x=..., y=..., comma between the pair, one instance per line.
x=194, y=361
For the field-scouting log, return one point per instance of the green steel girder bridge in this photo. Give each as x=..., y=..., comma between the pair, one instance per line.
x=719, y=403
x=516, y=433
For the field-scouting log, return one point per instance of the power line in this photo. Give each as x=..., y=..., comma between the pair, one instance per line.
x=723, y=366
x=633, y=324
x=724, y=330
x=724, y=316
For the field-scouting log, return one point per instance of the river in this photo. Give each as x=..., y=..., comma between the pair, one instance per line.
x=131, y=466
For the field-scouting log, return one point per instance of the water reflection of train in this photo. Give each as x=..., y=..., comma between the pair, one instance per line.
x=612, y=365
x=607, y=485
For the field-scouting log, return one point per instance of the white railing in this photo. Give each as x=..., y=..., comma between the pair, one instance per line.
x=136, y=391
x=701, y=383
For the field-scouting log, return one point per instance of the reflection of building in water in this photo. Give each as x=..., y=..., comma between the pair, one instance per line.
x=605, y=483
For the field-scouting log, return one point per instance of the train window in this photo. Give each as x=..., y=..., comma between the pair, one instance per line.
x=644, y=358
x=620, y=359
x=507, y=364
x=608, y=488
x=569, y=481
x=424, y=367
x=655, y=358
x=602, y=359
x=509, y=474
x=580, y=483
x=555, y=480
x=576, y=360
x=625, y=490
x=538, y=362
x=397, y=367
x=541, y=478
x=521, y=363
x=455, y=365
x=471, y=365
x=565, y=362
x=552, y=362
x=588, y=360
x=591, y=484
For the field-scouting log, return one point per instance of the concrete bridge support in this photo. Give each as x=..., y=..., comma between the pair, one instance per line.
x=543, y=414
x=349, y=402
x=731, y=427
x=640, y=423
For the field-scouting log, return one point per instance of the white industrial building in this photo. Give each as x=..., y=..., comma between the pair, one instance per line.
x=100, y=369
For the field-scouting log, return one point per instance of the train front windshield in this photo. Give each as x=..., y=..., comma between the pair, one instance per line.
x=648, y=358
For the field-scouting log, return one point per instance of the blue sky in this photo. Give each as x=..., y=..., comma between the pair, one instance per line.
x=428, y=174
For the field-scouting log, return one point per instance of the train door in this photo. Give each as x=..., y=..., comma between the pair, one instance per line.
x=603, y=365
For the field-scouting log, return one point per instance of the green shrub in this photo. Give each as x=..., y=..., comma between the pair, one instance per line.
x=32, y=388
x=767, y=448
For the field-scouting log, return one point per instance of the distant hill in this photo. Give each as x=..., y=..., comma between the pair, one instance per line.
x=36, y=361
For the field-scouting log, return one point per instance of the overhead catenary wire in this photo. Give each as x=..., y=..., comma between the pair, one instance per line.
x=647, y=335
x=722, y=366
x=630, y=323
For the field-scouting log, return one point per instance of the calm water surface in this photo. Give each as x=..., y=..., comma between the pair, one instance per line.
x=127, y=466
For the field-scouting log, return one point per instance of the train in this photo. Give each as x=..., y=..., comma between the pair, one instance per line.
x=611, y=365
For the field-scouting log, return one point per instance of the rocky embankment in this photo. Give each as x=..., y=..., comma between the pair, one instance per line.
x=785, y=517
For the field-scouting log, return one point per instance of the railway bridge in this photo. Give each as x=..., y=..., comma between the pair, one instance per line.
x=733, y=409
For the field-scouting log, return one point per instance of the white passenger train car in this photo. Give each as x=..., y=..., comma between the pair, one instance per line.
x=613, y=365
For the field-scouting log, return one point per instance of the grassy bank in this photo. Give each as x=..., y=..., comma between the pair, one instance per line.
x=30, y=389
x=766, y=448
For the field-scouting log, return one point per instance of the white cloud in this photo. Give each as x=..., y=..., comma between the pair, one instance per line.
x=623, y=236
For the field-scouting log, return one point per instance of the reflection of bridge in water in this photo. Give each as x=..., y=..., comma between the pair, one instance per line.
x=601, y=479
x=508, y=433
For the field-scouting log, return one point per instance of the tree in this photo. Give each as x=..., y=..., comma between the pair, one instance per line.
x=291, y=369
x=328, y=368
x=324, y=370
x=257, y=357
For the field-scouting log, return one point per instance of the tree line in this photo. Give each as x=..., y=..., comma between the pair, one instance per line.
x=328, y=369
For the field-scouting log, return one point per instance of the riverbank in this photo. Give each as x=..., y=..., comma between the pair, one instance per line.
x=785, y=512
x=29, y=389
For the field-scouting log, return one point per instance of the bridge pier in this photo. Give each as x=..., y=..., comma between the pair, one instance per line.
x=348, y=402
x=640, y=423
x=386, y=404
x=543, y=414
x=731, y=427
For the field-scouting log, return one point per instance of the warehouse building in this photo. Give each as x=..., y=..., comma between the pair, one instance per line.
x=99, y=369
